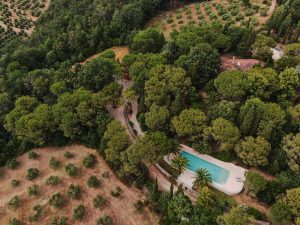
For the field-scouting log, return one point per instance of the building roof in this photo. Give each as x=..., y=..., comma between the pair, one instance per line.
x=238, y=64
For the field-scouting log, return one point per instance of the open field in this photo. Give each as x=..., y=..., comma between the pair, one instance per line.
x=232, y=11
x=17, y=17
x=118, y=209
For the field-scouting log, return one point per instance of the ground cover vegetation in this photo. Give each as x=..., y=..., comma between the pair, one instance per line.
x=249, y=117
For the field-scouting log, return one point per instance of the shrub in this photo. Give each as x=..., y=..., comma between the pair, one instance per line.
x=32, y=173
x=79, y=212
x=14, y=202
x=71, y=170
x=33, y=190
x=56, y=200
x=254, y=183
x=74, y=191
x=117, y=193
x=239, y=17
x=68, y=155
x=99, y=201
x=264, y=12
x=255, y=213
x=139, y=206
x=54, y=163
x=104, y=220
x=94, y=182
x=170, y=20
x=280, y=214
x=179, y=16
x=15, y=221
x=59, y=221
x=105, y=174
x=53, y=180
x=12, y=164
x=89, y=161
x=37, y=213
x=32, y=155
x=15, y=183
x=234, y=12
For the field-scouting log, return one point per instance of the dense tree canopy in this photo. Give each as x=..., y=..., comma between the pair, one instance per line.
x=224, y=132
x=291, y=145
x=253, y=151
x=202, y=63
x=190, y=122
x=168, y=86
x=149, y=40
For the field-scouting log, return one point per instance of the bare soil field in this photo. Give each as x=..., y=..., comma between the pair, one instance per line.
x=121, y=210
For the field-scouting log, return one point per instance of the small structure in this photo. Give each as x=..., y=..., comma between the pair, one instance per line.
x=238, y=64
x=277, y=53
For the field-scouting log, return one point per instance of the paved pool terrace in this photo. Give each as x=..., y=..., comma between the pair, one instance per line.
x=227, y=177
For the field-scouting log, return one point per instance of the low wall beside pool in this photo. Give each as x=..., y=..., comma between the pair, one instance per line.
x=227, y=177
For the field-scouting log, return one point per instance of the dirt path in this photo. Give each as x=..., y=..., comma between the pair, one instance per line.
x=118, y=208
x=245, y=199
x=120, y=52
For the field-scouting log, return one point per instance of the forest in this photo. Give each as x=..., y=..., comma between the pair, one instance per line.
x=248, y=117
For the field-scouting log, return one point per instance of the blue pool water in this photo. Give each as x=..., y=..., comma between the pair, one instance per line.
x=218, y=174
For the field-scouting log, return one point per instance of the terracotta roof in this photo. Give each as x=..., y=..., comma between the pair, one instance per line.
x=238, y=64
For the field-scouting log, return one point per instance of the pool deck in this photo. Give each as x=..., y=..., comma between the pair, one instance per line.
x=232, y=185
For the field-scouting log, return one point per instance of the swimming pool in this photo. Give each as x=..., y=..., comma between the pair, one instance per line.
x=218, y=174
